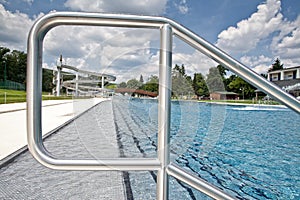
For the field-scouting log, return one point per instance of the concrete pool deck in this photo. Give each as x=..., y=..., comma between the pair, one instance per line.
x=13, y=134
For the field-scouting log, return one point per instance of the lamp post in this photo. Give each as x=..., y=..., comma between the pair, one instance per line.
x=4, y=63
x=243, y=92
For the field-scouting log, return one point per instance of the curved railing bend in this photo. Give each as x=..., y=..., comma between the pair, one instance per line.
x=162, y=163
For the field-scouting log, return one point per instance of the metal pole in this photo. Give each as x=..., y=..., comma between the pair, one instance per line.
x=198, y=183
x=165, y=66
x=76, y=85
x=102, y=85
x=5, y=77
x=102, y=82
x=58, y=76
x=58, y=81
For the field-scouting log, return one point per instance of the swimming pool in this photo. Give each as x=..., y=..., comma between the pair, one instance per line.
x=251, y=152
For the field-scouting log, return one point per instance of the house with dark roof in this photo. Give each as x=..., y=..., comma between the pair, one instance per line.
x=288, y=79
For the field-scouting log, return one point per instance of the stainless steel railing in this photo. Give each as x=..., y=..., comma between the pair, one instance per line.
x=162, y=164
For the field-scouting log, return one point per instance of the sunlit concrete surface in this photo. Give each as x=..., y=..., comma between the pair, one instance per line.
x=13, y=135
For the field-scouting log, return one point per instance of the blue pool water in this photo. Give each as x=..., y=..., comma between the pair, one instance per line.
x=250, y=152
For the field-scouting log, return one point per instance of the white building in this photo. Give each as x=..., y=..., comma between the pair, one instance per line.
x=284, y=74
x=288, y=79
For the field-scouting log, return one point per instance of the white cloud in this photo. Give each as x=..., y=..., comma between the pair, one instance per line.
x=151, y=67
x=14, y=28
x=182, y=6
x=287, y=43
x=126, y=53
x=249, y=32
x=252, y=61
x=146, y=7
x=121, y=51
x=195, y=62
x=292, y=41
x=267, y=26
x=259, y=64
x=29, y=1
x=261, y=68
x=290, y=62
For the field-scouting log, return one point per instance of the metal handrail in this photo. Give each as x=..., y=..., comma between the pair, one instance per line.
x=196, y=182
x=162, y=164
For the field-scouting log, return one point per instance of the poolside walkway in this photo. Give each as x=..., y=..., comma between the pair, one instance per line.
x=13, y=134
x=90, y=136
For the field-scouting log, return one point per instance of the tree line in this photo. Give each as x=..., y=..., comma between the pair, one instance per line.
x=200, y=86
x=13, y=67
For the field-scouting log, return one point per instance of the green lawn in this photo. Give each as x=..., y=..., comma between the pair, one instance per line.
x=15, y=96
x=12, y=96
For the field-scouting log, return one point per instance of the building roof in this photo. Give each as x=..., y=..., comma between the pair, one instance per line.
x=225, y=92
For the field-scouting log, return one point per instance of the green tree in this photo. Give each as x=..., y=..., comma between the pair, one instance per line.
x=122, y=85
x=223, y=73
x=276, y=65
x=199, y=85
x=13, y=65
x=222, y=70
x=47, y=85
x=264, y=75
x=141, y=79
x=227, y=81
x=153, y=79
x=3, y=61
x=214, y=80
x=181, y=83
x=3, y=52
x=243, y=88
x=151, y=85
x=133, y=84
x=180, y=70
x=16, y=66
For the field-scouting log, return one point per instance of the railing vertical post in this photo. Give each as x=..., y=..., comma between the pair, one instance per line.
x=58, y=81
x=165, y=66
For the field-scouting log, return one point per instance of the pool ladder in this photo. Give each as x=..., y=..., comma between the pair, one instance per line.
x=161, y=164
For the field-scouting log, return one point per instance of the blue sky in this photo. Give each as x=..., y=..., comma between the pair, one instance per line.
x=254, y=32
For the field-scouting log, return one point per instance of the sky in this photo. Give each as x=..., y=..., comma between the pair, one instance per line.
x=255, y=32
